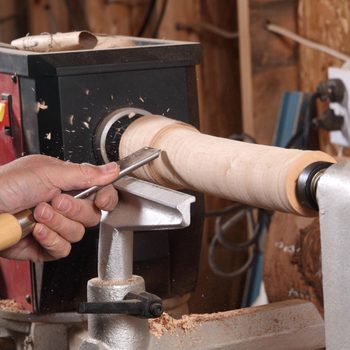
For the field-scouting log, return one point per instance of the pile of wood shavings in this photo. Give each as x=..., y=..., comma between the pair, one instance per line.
x=186, y=323
x=166, y=323
x=10, y=305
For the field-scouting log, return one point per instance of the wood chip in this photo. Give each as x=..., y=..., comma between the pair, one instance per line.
x=186, y=323
x=10, y=305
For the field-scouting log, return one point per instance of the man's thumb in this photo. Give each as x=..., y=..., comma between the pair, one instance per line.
x=81, y=176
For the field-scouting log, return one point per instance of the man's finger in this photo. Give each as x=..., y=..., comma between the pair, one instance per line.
x=70, y=230
x=106, y=198
x=71, y=176
x=81, y=210
x=53, y=244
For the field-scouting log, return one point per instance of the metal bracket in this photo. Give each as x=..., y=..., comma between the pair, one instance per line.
x=147, y=206
x=142, y=206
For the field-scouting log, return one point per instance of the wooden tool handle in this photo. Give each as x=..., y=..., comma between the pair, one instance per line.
x=15, y=227
x=257, y=175
x=10, y=231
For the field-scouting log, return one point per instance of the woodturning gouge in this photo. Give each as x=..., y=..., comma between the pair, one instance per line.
x=14, y=227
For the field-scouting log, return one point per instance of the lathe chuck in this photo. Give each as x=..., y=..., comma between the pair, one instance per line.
x=108, y=133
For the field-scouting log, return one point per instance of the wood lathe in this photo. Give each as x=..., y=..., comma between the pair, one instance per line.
x=52, y=103
x=103, y=105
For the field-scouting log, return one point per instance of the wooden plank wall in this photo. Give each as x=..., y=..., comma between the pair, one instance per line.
x=274, y=62
x=326, y=22
x=12, y=19
x=48, y=16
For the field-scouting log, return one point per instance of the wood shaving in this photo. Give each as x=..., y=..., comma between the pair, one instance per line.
x=71, y=119
x=41, y=105
x=86, y=124
x=186, y=323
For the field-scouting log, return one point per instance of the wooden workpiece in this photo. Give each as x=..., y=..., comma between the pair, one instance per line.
x=257, y=175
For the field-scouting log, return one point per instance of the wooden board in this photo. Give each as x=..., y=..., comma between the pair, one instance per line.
x=326, y=22
x=108, y=18
x=274, y=64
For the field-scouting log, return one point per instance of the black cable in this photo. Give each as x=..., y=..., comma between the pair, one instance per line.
x=246, y=244
x=309, y=116
x=147, y=18
x=236, y=212
x=302, y=138
x=160, y=19
x=261, y=227
x=294, y=139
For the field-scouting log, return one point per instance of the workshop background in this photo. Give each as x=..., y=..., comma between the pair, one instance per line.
x=246, y=69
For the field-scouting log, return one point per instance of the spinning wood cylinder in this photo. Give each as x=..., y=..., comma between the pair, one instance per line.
x=257, y=175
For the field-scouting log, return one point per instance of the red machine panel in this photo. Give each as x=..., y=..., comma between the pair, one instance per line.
x=15, y=276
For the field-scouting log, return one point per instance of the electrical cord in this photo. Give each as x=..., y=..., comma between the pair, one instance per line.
x=306, y=42
x=147, y=18
x=251, y=245
x=208, y=27
x=77, y=22
x=160, y=19
x=302, y=138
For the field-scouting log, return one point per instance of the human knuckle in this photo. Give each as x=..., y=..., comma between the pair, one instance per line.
x=53, y=243
x=75, y=207
x=107, y=200
x=96, y=219
x=87, y=172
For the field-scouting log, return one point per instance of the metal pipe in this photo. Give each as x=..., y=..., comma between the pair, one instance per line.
x=115, y=255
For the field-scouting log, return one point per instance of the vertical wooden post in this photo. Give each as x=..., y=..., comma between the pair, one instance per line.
x=245, y=64
x=113, y=18
x=269, y=64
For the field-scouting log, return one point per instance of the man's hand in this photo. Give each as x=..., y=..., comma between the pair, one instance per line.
x=35, y=180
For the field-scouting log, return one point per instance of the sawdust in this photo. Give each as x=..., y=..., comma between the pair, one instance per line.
x=186, y=323
x=10, y=305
